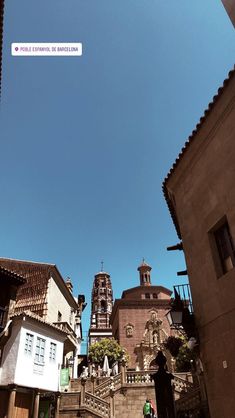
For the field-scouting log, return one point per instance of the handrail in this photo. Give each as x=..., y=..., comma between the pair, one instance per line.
x=189, y=400
x=113, y=382
x=97, y=404
x=182, y=385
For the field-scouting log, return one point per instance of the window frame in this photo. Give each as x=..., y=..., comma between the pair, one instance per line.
x=221, y=231
x=52, y=352
x=42, y=349
x=28, y=349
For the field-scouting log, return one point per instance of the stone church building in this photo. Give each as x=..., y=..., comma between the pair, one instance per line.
x=101, y=308
x=139, y=320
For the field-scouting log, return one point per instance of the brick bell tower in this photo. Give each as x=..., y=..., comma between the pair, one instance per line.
x=145, y=275
x=101, y=308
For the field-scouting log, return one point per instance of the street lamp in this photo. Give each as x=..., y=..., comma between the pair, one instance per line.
x=175, y=317
x=180, y=317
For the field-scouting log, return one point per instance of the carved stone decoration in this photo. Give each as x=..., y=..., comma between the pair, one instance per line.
x=152, y=341
x=152, y=335
x=129, y=330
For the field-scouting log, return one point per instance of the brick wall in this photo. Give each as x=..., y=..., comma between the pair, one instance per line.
x=138, y=316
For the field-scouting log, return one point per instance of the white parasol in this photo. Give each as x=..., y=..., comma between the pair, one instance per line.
x=106, y=370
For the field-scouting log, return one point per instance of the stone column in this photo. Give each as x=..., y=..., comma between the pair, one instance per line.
x=83, y=391
x=123, y=372
x=11, y=402
x=112, y=404
x=93, y=384
x=57, y=407
x=36, y=404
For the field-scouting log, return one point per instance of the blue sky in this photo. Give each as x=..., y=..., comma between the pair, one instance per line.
x=87, y=141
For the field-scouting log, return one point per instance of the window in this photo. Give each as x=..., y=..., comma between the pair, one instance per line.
x=28, y=343
x=103, y=306
x=154, y=295
x=71, y=316
x=147, y=296
x=225, y=247
x=59, y=316
x=40, y=351
x=52, y=355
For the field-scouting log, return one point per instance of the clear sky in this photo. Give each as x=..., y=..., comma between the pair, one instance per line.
x=87, y=141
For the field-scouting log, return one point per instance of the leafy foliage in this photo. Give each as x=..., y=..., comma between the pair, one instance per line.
x=179, y=350
x=173, y=345
x=184, y=359
x=108, y=347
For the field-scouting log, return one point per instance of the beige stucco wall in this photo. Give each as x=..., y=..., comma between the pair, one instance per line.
x=204, y=192
x=57, y=302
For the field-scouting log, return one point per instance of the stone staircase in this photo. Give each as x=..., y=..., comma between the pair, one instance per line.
x=121, y=395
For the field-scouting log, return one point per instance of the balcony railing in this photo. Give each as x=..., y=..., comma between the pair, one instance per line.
x=184, y=292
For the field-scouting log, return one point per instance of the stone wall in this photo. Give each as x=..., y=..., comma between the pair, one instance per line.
x=201, y=189
x=129, y=402
x=138, y=317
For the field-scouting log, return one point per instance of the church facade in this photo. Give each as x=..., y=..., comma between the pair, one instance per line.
x=139, y=321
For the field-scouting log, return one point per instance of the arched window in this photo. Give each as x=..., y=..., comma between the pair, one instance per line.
x=103, y=306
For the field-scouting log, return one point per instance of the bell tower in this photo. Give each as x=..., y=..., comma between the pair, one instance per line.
x=145, y=276
x=101, y=308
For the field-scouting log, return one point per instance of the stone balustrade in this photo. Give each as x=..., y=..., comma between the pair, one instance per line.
x=97, y=405
x=190, y=401
x=182, y=385
x=113, y=383
x=139, y=378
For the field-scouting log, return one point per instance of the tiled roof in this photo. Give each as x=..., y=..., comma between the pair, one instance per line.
x=187, y=145
x=37, y=318
x=146, y=289
x=12, y=275
x=32, y=294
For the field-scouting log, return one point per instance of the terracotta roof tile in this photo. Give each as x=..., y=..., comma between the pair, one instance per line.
x=37, y=318
x=12, y=275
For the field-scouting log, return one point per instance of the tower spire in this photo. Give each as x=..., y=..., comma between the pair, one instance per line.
x=145, y=276
x=101, y=307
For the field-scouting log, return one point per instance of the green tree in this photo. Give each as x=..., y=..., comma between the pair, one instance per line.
x=183, y=361
x=173, y=345
x=108, y=347
x=178, y=347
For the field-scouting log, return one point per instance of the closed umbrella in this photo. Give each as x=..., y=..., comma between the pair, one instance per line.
x=106, y=370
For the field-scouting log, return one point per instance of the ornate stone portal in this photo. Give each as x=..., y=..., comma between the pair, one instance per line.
x=152, y=341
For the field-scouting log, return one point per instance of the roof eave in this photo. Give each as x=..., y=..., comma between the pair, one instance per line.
x=185, y=149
